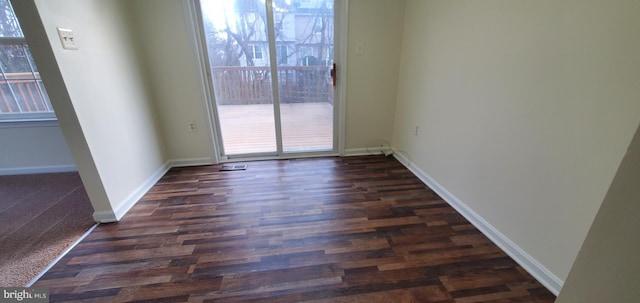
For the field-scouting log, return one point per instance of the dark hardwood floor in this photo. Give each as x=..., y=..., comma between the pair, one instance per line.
x=356, y=229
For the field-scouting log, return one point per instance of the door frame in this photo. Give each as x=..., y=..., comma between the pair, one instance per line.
x=195, y=28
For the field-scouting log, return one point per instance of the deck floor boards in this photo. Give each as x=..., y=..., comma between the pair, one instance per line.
x=250, y=128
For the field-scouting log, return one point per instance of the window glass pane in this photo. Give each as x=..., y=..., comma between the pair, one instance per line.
x=283, y=54
x=236, y=36
x=22, y=94
x=305, y=58
x=8, y=103
x=44, y=95
x=22, y=89
x=13, y=59
x=32, y=63
x=9, y=26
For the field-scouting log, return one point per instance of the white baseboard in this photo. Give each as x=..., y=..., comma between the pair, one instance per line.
x=190, y=162
x=37, y=170
x=125, y=205
x=531, y=265
x=136, y=195
x=105, y=216
x=366, y=151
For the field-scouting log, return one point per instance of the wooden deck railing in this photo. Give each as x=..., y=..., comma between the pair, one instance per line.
x=23, y=93
x=252, y=84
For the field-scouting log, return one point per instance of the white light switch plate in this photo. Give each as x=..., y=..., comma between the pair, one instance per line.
x=67, y=39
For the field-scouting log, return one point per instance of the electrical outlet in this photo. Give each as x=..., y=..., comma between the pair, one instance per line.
x=192, y=126
x=67, y=39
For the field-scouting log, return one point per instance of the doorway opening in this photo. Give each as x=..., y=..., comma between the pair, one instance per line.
x=271, y=67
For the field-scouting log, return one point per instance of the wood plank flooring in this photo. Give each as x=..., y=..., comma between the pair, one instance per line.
x=355, y=229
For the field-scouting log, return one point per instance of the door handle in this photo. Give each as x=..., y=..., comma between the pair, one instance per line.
x=334, y=74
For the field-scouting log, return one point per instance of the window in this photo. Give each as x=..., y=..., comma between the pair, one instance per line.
x=306, y=57
x=283, y=56
x=305, y=51
x=318, y=25
x=256, y=52
x=22, y=94
x=251, y=17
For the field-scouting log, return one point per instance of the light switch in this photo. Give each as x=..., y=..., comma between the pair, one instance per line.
x=67, y=38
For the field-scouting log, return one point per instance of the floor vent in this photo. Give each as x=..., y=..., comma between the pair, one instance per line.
x=233, y=167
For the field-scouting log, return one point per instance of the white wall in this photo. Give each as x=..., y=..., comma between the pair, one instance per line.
x=171, y=64
x=372, y=76
x=169, y=60
x=33, y=148
x=100, y=98
x=607, y=267
x=525, y=111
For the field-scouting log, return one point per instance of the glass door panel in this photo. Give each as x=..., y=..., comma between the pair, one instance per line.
x=239, y=35
x=304, y=49
x=238, y=52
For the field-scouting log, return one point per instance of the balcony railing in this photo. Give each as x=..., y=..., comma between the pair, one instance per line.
x=23, y=93
x=252, y=84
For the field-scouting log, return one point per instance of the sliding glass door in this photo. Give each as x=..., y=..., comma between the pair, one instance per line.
x=271, y=65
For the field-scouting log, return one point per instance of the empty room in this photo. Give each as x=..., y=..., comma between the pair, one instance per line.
x=346, y=151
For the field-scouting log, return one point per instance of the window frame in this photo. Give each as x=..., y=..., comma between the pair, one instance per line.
x=255, y=50
x=283, y=57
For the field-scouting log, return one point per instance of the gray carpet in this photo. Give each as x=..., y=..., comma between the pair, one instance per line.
x=40, y=216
